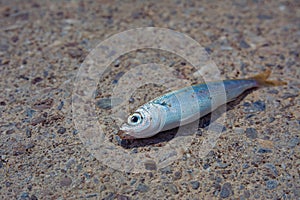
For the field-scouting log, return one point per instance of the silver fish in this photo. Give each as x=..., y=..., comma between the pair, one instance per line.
x=186, y=105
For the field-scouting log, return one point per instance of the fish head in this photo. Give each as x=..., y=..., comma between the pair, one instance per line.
x=145, y=122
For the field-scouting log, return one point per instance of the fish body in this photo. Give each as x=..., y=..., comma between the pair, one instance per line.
x=186, y=105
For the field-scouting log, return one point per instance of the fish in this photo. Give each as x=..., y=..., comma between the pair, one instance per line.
x=183, y=106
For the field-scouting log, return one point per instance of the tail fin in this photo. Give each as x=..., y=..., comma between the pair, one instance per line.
x=262, y=81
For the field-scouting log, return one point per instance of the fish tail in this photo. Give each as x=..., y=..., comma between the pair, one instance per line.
x=262, y=81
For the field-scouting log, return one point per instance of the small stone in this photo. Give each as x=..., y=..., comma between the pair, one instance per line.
x=131, y=100
x=24, y=195
x=105, y=103
x=102, y=188
x=273, y=91
x=247, y=194
x=173, y=189
x=195, y=184
x=150, y=165
x=60, y=106
x=272, y=168
x=166, y=170
x=142, y=188
x=117, y=63
x=123, y=197
x=239, y=130
x=289, y=95
x=264, y=150
x=9, y=132
x=44, y=104
x=70, y=162
x=271, y=184
x=110, y=196
x=264, y=17
x=177, y=175
x=294, y=142
x=65, y=181
x=226, y=190
x=206, y=166
x=222, y=165
x=271, y=119
x=134, y=150
x=133, y=181
x=244, y=44
x=245, y=165
x=14, y=38
x=36, y=80
x=29, y=146
x=259, y=105
x=75, y=132
x=2, y=103
x=91, y=195
x=61, y=130
x=75, y=53
x=33, y=197
x=251, y=133
x=30, y=112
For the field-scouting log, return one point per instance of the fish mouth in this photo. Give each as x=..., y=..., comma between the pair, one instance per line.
x=124, y=135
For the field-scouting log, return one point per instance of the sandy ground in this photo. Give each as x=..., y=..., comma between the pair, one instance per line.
x=44, y=43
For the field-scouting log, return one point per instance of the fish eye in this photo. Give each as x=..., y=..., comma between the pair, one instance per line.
x=134, y=118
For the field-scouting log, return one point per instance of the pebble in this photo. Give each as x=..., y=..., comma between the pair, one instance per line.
x=226, y=190
x=166, y=170
x=172, y=188
x=70, y=162
x=206, y=166
x=256, y=106
x=245, y=165
x=222, y=165
x=239, y=130
x=131, y=100
x=75, y=132
x=24, y=195
x=36, y=80
x=104, y=103
x=117, y=63
x=10, y=131
x=177, y=175
x=75, y=53
x=30, y=112
x=122, y=197
x=28, y=132
x=288, y=95
x=271, y=119
x=133, y=181
x=61, y=130
x=142, y=188
x=110, y=196
x=195, y=184
x=273, y=91
x=271, y=184
x=65, y=181
x=244, y=44
x=264, y=150
x=150, y=165
x=33, y=197
x=60, y=106
x=272, y=168
x=259, y=105
x=294, y=142
x=251, y=133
